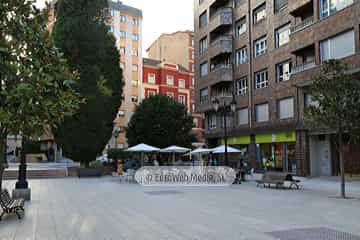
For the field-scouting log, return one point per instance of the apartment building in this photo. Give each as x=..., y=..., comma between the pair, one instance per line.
x=178, y=48
x=263, y=54
x=126, y=24
x=175, y=81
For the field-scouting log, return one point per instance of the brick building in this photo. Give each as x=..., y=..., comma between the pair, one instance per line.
x=173, y=80
x=264, y=53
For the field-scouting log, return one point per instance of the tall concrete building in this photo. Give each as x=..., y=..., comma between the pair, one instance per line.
x=263, y=54
x=126, y=24
x=178, y=48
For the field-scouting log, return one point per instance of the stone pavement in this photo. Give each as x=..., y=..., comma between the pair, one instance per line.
x=104, y=209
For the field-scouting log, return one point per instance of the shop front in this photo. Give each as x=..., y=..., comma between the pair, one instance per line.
x=276, y=151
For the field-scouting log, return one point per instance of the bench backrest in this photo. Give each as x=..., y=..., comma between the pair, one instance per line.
x=5, y=198
x=275, y=176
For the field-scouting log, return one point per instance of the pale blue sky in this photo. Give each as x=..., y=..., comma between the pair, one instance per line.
x=161, y=16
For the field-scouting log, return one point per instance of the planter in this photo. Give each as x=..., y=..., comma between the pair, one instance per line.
x=90, y=172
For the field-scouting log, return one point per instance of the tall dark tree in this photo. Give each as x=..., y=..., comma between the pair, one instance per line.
x=36, y=83
x=82, y=33
x=336, y=96
x=160, y=121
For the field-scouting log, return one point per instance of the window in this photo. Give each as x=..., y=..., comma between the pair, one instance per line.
x=196, y=122
x=260, y=46
x=135, y=52
x=122, y=34
x=241, y=27
x=204, y=95
x=340, y=46
x=111, y=29
x=170, y=80
x=136, y=21
x=242, y=86
x=259, y=13
x=211, y=121
x=122, y=18
x=182, y=99
x=261, y=79
x=193, y=107
x=238, y=3
x=134, y=99
x=170, y=94
x=203, y=69
x=203, y=20
x=309, y=101
x=135, y=83
x=135, y=37
x=329, y=7
x=286, y=108
x=241, y=56
x=122, y=50
x=243, y=116
x=151, y=78
x=151, y=93
x=112, y=12
x=262, y=112
x=282, y=36
x=280, y=5
x=283, y=71
x=135, y=68
x=203, y=45
x=181, y=83
x=192, y=81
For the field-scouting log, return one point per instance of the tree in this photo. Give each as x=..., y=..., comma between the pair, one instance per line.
x=36, y=84
x=81, y=33
x=160, y=121
x=336, y=95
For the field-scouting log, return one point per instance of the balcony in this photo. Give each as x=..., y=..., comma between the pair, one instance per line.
x=220, y=73
x=303, y=24
x=222, y=45
x=297, y=6
x=302, y=68
x=221, y=18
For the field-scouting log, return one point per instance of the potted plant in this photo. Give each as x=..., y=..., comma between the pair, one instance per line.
x=95, y=169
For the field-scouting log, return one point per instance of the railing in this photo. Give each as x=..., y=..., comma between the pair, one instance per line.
x=223, y=42
x=305, y=23
x=303, y=68
x=225, y=15
x=221, y=66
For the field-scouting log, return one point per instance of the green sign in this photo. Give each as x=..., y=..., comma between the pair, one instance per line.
x=276, y=137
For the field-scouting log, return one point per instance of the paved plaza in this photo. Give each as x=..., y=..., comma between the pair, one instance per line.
x=104, y=209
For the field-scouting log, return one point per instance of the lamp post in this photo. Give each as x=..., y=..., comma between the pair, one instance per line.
x=224, y=108
x=22, y=182
x=116, y=134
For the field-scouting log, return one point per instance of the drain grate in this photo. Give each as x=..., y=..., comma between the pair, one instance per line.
x=313, y=234
x=168, y=192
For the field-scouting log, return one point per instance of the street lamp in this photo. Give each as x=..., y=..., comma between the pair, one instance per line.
x=224, y=109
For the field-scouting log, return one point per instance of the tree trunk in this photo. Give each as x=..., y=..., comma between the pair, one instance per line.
x=2, y=158
x=342, y=165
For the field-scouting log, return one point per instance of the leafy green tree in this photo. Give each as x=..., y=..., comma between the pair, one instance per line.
x=336, y=95
x=81, y=33
x=36, y=84
x=160, y=121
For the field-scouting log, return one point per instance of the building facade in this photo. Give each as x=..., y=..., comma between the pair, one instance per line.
x=264, y=53
x=178, y=48
x=173, y=80
x=126, y=24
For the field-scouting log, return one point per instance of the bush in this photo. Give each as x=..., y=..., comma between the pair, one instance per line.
x=96, y=164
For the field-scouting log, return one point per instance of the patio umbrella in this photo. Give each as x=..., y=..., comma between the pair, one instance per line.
x=221, y=149
x=201, y=151
x=175, y=149
x=143, y=148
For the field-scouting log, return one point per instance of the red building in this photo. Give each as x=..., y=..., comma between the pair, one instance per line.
x=173, y=80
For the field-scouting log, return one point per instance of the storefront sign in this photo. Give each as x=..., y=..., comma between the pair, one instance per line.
x=242, y=140
x=276, y=137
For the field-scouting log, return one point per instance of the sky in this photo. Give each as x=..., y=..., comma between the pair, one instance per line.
x=160, y=16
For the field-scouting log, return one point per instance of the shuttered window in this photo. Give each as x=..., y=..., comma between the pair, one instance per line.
x=286, y=108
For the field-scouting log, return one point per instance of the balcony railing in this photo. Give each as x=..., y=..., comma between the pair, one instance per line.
x=305, y=23
x=222, y=17
x=222, y=44
x=303, y=68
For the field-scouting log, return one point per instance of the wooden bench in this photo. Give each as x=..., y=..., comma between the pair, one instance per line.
x=278, y=179
x=10, y=205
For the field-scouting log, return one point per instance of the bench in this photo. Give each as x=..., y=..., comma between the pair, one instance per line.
x=10, y=205
x=278, y=179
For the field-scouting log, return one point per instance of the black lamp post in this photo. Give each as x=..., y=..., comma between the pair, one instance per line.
x=22, y=182
x=225, y=108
